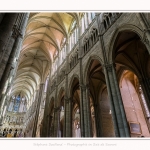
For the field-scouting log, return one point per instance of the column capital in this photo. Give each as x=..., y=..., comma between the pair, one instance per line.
x=87, y=86
x=56, y=109
x=82, y=86
x=145, y=40
x=42, y=83
x=109, y=67
x=67, y=100
x=52, y=117
x=67, y=42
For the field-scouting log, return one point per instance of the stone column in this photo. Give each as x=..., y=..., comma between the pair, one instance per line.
x=69, y=117
x=126, y=127
x=6, y=54
x=19, y=34
x=45, y=129
x=56, y=121
x=40, y=96
x=87, y=102
x=66, y=90
x=86, y=110
x=64, y=123
x=118, y=113
x=50, y=129
x=111, y=102
x=81, y=82
x=55, y=110
x=6, y=30
x=98, y=124
x=83, y=115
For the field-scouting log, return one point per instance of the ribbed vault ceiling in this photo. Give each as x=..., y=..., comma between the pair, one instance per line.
x=44, y=36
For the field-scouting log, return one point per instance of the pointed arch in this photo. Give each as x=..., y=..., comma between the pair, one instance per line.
x=75, y=76
x=123, y=27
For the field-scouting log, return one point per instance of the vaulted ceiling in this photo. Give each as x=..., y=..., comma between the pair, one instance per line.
x=44, y=36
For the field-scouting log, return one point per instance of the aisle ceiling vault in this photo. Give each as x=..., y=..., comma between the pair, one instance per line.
x=45, y=33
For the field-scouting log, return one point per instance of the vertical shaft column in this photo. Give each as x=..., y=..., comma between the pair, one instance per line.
x=56, y=121
x=68, y=117
x=40, y=96
x=126, y=128
x=6, y=29
x=88, y=111
x=116, y=106
x=87, y=132
x=64, y=123
x=81, y=113
x=81, y=81
x=66, y=92
x=46, y=118
x=6, y=55
x=97, y=117
x=111, y=102
x=121, y=126
x=15, y=50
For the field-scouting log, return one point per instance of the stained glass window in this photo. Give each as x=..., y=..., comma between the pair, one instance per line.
x=17, y=103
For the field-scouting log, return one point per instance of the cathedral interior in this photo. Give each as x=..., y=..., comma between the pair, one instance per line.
x=75, y=74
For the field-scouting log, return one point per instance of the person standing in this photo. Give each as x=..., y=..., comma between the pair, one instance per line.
x=15, y=134
x=9, y=135
x=4, y=133
x=21, y=133
x=1, y=133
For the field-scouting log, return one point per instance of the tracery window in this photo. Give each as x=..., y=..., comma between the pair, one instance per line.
x=17, y=103
x=92, y=15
